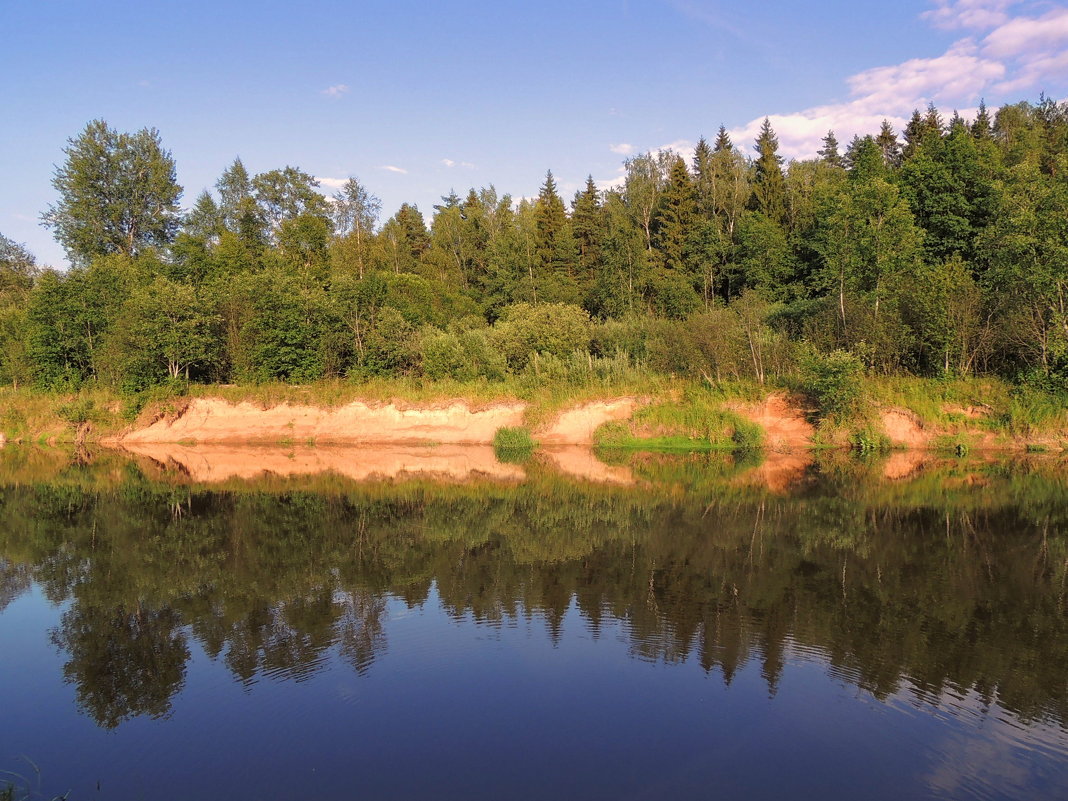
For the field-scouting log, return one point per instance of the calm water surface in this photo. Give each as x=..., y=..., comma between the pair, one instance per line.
x=687, y=627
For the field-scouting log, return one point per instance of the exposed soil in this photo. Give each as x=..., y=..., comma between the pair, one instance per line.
x=212, y=420
x=576, y=426
x=784, y=423
x=903, y=428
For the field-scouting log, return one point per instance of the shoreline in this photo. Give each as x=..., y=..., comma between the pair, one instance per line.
x=684, y=416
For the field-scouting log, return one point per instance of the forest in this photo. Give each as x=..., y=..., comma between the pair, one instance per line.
x=940, y=250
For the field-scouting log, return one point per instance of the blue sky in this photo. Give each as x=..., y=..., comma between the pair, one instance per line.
x=418, y=98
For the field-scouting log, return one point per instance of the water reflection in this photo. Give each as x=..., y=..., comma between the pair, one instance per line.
x=902, y=581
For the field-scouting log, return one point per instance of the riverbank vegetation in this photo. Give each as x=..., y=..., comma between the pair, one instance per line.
x=938, y=252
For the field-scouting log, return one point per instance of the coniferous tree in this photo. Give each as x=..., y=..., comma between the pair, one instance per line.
x=723, y=141
x=587, y=225
x=829, y=152
x=768, y=181
x=675, y=217
x=704, y=178
x=888, y=144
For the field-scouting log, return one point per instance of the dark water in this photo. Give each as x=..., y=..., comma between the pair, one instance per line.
x=717, y=629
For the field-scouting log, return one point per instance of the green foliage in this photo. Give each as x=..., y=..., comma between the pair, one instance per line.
x=832, y=382
x=869, y=440
x=513, y=445
x=78, y=411
x=554, y=329
x=117, y=194
x=945, y=257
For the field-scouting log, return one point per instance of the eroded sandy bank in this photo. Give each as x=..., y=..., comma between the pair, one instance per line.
x=210, y=420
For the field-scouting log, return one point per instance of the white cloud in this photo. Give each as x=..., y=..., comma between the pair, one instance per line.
x=392, y=168
x=1016, y=54
x=1024, y=35
x=623, y=148
x=332, y=183
x=337, y=90
x=467, y=165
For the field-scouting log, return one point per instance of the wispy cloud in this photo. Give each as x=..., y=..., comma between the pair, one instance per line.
x=971, y=14
x=450, y=163
x=709, y=13
x=337, y=90
x=1009, y=54
x=393, y=168
x=623, y=148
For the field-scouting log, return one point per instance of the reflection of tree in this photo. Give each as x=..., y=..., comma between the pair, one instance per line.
x=885, y=579
x=125, y=662
x=14, y=580
x=361, y=635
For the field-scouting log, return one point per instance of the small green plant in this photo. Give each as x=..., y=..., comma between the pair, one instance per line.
x=513, y=445
x=868, y=440
x=747, y=436
x=1035, y=447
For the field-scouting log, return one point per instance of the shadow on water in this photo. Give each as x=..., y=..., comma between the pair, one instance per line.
x=912, y=578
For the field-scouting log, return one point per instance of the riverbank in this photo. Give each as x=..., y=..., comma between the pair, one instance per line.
x=662, y=414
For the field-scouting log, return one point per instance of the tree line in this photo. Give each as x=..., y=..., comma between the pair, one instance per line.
x=939, y=251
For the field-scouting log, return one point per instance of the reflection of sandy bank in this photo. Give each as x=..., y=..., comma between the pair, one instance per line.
x=215, y=463
x=580, y=462
x=780, y=471
x=904, y=464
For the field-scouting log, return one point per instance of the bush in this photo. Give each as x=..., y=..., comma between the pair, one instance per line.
x=549, y=328
x=832, y=382
x=460, y=354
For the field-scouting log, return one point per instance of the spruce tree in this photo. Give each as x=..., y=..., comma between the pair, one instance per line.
x=829, y=152
x=676, y=216
x=769, y=184
x=704, y=178
x=587, y=225
x=982, y=128
x=723, y=141
x=888, y=144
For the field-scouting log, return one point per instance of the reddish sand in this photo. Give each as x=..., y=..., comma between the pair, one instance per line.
x=784, y=424
x=212, y=420
x=576, y=426
x=903, y=427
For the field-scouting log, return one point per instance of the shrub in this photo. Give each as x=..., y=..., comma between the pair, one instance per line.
x=832, y=382
x=549, y=328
